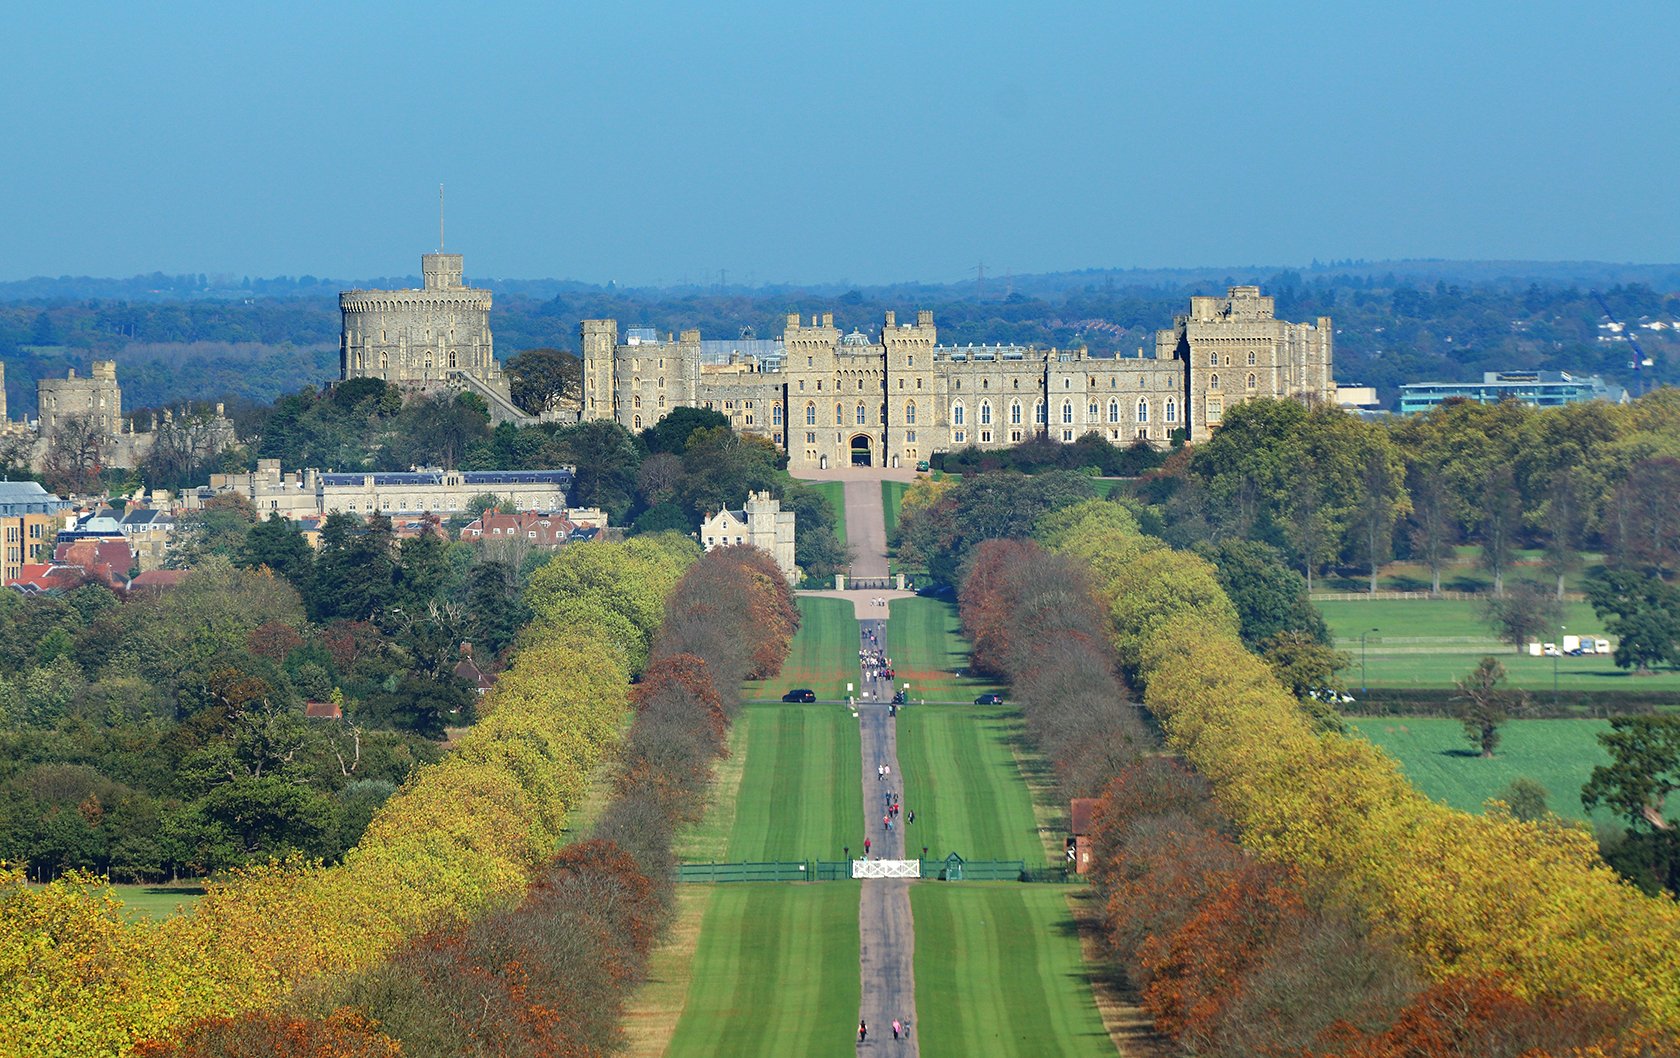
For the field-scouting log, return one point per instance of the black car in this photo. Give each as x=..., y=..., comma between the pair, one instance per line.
x=989, y=699
x=802, y=694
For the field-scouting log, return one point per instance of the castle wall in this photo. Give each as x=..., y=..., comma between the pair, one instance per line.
x=899, y=397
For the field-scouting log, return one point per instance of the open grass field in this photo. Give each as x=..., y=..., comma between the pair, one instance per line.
x=1432, y=642
x=961, y=779
x=801, y=794
x=928, y=651
x=1436, y=757
x=999, y=973
x=775, y=973
x=824, y=653
x=835, y=492
x=892, y=498
x=158, y=901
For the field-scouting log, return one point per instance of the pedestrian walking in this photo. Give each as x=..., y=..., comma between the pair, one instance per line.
x=866, y=848
x=910, y=816
x=863, y=1030
x=880, y=772
x=898, y=1028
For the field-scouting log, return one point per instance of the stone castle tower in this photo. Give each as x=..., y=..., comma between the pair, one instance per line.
x=97, y=398
x=420, y=338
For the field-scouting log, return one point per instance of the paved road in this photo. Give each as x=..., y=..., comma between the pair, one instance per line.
x=866, y=528
x=886, y=932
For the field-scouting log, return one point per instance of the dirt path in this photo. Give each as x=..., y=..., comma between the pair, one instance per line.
x=886, y=933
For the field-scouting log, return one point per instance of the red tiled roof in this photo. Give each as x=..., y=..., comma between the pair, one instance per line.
x=1081, y=810
x=322, y=711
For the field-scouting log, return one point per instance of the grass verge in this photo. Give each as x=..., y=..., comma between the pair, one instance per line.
x=835, y=493
x=963, y=782
x=892, y=498
x=925, y=641
x=800, y=795
x=775, y=973
x=651, y=1015
x=824, y=653
x=999, y=972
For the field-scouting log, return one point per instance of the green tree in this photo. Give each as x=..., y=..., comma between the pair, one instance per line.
x=1311, y=671
x=671, y=433
x=1641, y=611
x=1434, y=528
x=1526, y=799
x=1270, y=597
x=1563, y=523
x=607, y=458
x=355, y=571
x=1483, y=703
x=1644, y=769
x=1500, y=518
x=543, y=379
x=278, y=543
x=1525, y=612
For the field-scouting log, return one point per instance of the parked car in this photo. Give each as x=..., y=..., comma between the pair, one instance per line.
x=802, y=694
x=922, y=465
x=989, y=699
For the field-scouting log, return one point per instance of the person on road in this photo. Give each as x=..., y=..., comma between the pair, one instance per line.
x=863, y=1031
x=866, y=848
x=898, y=1028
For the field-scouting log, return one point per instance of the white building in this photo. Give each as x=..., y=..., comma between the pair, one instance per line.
x=761, y=523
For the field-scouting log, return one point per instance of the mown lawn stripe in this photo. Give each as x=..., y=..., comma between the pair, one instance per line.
x=962, y=781
x=999, y=972
x=775, y=974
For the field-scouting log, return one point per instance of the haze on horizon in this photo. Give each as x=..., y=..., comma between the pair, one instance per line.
x=660, y=143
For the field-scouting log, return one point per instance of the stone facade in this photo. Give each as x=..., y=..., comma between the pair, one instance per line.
x=1237, y=349
x=434, y=338
x=96, y=397
x=312, y=492
x=895, y=397
x=760, y=523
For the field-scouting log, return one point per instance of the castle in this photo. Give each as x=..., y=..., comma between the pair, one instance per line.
x=437, y=337
x=110, y=440
x=896, y=396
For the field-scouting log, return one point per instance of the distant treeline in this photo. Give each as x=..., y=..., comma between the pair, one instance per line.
x=175, y=341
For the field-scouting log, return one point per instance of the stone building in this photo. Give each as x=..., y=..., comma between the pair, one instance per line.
x=124, y=442
x=897, y=396
x=760, y=523
x=437, y=337
x=312, y=492
x=96, y=397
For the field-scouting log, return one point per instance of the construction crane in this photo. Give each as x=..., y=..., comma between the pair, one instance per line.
x=1640, y=360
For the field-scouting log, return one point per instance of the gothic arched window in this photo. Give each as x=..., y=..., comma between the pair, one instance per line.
x=1014, y=413
x=910, y=413
x=1143, y=411
x=957, y=414
x=810, y=414
x=985, y=413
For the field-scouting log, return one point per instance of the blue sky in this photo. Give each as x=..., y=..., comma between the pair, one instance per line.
x=853, y=142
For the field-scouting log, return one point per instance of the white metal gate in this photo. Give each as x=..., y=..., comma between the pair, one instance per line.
x=886, y=868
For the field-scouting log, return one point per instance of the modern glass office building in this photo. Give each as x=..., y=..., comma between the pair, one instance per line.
x=1543, y=389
